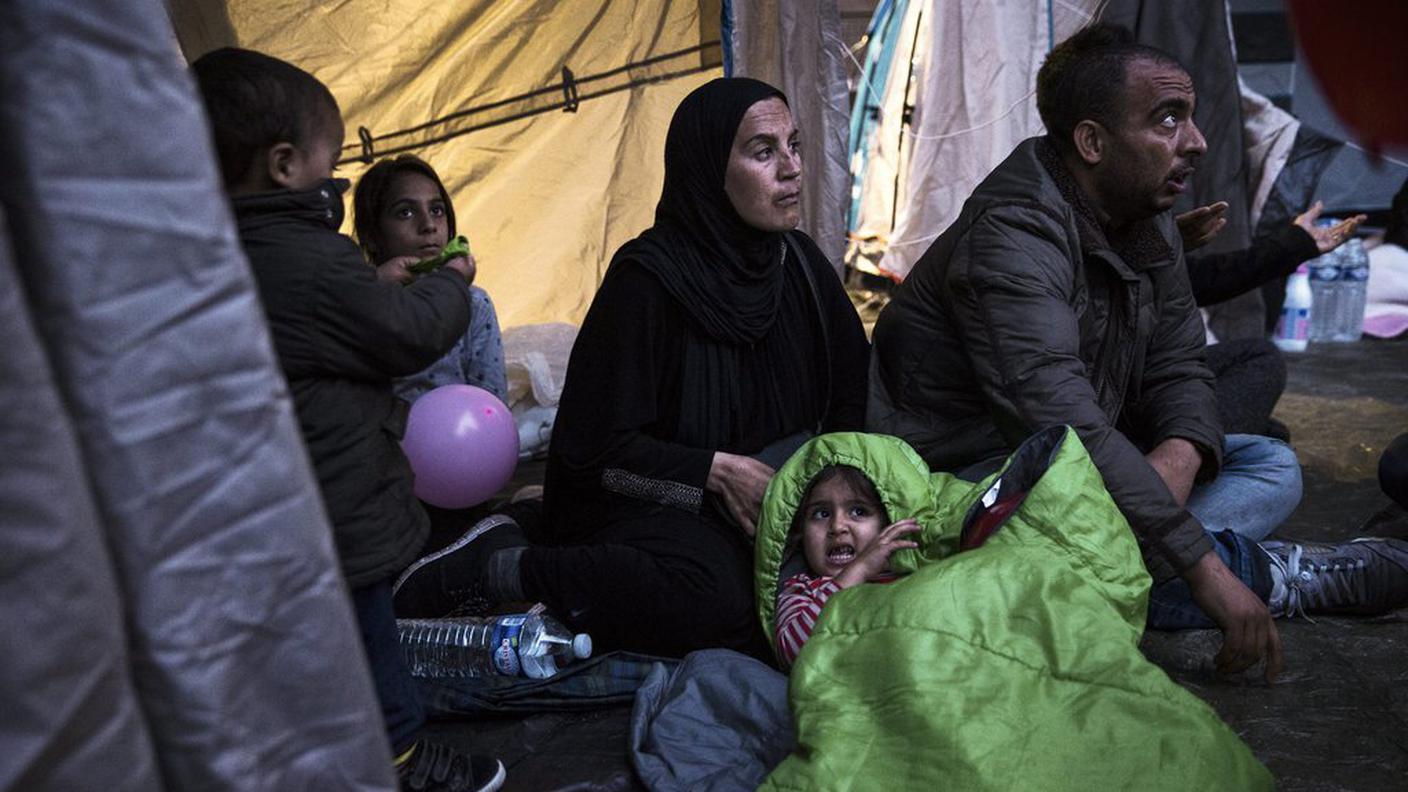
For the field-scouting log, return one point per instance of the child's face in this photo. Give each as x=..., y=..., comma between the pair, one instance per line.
x=414, y=222
x=312, y=163
x=837, y=523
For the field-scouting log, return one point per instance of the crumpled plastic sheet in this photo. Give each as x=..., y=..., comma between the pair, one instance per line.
x=245, y=655
x=535, y=361
x=69, y=705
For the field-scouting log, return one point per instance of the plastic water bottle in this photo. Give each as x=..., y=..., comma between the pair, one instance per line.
x=1293, y=328
x=1354, y=291
x=523, y=644
x=1324, y=295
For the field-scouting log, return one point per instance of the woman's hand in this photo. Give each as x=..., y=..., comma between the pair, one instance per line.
x=396, y=270
x=465, y=266
x=741, y=482
x=874, y=560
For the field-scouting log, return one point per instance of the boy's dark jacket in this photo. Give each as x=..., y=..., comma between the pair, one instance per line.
x=341, y=336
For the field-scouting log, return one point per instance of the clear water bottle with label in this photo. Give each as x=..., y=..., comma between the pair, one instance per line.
x=523, y=644
x=1354, y=291
x=1324, y=295
x=1293, y=328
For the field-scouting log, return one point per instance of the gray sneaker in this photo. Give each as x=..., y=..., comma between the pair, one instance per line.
x=1364, y=576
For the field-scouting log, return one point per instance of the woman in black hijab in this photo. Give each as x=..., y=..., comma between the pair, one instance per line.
x=719, y=340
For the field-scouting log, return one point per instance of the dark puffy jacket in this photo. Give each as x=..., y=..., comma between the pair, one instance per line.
x=341, y=336
x=1021, y=316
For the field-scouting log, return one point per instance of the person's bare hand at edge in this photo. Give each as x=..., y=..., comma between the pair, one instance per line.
x=1248, y=631
x=740, y=481
x=1327, y=238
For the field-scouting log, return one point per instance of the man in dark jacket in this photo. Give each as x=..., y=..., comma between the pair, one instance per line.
x=1060, y=296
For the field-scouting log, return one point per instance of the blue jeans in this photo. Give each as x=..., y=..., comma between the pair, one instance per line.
x=400, y=704
x=1258, y=488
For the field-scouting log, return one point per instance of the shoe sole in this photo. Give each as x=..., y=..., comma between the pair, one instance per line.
x=493, y=784
x=480, y=528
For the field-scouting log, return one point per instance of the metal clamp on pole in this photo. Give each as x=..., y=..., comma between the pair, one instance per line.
x=365, y=135
x=569, y=91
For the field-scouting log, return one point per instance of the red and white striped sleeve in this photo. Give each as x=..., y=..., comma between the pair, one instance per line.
x=798, y=606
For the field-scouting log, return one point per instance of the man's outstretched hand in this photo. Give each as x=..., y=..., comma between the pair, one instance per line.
x=1199, y=226
x=1248, y=631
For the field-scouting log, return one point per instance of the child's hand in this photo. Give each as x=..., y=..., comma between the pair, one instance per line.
x=396, y=270
x=464, y=265
x=874, y=559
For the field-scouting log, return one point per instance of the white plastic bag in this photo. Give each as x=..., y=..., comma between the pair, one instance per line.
x=535, y=361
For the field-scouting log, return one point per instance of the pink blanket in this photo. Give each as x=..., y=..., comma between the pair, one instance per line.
x=1386, y=312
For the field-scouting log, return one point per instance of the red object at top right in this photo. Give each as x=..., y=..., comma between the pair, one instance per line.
x=1356, y=51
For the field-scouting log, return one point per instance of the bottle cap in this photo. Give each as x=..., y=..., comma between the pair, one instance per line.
x=581, y=646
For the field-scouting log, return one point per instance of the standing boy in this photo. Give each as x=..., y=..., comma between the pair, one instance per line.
x=341, y=336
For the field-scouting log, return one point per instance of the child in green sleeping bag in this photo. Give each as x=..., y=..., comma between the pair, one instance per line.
x=847, y=539
x=1016, y=666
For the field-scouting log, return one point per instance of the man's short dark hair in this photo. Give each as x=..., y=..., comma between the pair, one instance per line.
x=255, y=101
x=1084, y=78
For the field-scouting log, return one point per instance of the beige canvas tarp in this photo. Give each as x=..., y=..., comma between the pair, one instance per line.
x=476, y=88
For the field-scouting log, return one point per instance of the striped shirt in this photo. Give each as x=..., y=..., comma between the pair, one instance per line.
x=798, y=606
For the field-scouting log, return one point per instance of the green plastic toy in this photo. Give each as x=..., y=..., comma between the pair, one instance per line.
x=459, y=246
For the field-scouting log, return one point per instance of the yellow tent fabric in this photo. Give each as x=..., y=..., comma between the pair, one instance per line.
x=475, y=87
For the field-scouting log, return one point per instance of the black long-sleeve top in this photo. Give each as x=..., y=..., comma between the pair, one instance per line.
x=1217, y=277
x=649, y=397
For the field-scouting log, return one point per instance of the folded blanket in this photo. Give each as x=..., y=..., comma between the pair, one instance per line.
x=1386, y=308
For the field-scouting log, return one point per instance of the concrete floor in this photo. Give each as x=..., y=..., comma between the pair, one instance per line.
x=1337, y=719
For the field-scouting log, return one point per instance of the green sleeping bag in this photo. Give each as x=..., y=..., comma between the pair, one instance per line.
x=1012, y=666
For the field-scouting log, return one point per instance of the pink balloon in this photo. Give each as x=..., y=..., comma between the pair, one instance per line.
x=462, y=444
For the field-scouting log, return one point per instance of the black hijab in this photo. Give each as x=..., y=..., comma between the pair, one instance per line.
x=723, y=272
